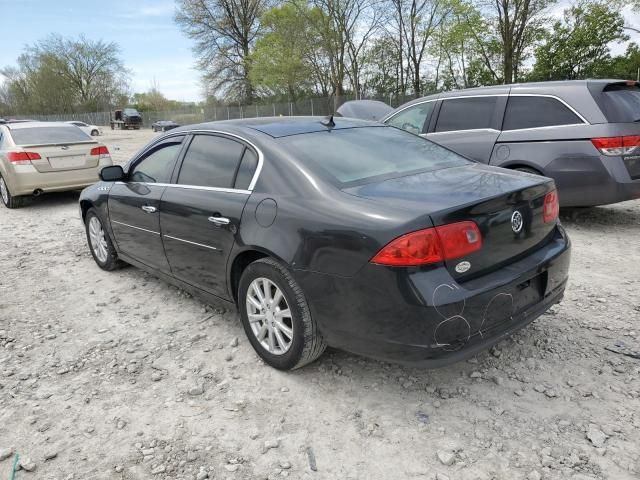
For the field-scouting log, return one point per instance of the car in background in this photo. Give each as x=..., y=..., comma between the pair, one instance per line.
x=38, y=157
x=164, y=125
x=364, y=109
x=585, y=134
x=92, y=130
x=341, y=232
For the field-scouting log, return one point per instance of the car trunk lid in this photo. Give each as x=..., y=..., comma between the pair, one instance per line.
x=64, y=157
x=506, y=206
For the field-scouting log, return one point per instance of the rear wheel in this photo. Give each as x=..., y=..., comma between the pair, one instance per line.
x=276, y=317
x=100, y=243
x=9, y=200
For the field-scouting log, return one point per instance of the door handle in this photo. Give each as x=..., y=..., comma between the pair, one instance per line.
x=148, y=208
x=219, y=220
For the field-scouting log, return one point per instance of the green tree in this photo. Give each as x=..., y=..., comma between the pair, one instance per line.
x=280, y=60
x=578, y=46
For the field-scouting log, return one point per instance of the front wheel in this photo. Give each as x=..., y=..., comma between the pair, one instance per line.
x=9, y=200
x=100, y=243
x=94, y=133
x=276, y=317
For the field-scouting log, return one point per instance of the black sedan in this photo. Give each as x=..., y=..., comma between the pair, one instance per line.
x=348, y=233
x=164, y=125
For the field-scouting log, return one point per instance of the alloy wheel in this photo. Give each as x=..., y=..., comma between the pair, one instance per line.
x=269, y=316
x=98, y=240
x=4, y=191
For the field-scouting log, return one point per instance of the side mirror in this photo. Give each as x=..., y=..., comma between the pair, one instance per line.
x=112, y=173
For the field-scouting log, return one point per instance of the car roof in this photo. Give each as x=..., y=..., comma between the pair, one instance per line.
x=277, y=127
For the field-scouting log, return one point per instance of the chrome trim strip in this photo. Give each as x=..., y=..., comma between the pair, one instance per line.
x=544, y=128
x=190, y=187
x=187, y=241
x=256, y=174
x=584, y=120
x=493, y=130
x=137, y=228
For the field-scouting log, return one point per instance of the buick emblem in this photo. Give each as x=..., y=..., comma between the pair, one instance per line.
x=463, y=267
x=516, y=222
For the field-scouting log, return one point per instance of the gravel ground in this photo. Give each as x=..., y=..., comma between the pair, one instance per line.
x=121, y=376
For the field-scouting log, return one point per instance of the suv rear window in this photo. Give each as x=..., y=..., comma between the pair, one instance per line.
x=534, y=112
x=49, y=135
x=620, y=103
x=358, y=155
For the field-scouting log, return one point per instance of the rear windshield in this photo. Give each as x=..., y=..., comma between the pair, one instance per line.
x=621, y=103
x=359, y=155
x=49, y=135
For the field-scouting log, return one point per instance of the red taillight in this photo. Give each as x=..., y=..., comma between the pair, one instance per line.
x=614, y=146
x=22, y=158
x=102, y=150
x=431, y=245
x=551, y=207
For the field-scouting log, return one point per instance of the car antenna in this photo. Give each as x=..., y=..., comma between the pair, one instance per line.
x=328, y=122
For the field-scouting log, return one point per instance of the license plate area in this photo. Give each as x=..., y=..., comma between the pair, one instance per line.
x=530, y=291
x=70, y=161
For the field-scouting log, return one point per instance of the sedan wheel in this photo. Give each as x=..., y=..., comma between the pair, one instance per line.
x=9, y=200
x=269, y=316
x=100, y=244
x=276, y=317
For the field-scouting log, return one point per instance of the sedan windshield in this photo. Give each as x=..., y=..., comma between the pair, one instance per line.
x=49, y=135
x=360, y=155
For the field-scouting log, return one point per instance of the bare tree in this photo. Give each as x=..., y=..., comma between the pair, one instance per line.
x=417, y=22
x=519, y=23
x=224, y=32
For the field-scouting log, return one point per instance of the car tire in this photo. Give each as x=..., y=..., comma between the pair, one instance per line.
x=94, y=133
x=99, y=241
x=305, y=343
x=9, y=200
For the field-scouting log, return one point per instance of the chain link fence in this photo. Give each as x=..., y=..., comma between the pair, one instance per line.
x=307, y=106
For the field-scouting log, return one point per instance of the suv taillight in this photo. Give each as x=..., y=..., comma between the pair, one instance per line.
x=22, y=158
x=431, y=245
x=551, y=207
x=615, y=146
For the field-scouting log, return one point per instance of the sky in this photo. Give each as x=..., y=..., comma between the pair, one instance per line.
x=152, y=45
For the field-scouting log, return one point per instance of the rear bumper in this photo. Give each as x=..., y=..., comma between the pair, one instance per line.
x=25, y=179
x=423, y=317
x=596, y=180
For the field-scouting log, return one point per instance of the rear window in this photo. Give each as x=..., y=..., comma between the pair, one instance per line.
x=621, y=103
x=535, y=112
x=358, y=155
x=49, y=135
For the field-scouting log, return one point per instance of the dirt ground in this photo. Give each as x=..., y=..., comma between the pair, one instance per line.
x=121, y=376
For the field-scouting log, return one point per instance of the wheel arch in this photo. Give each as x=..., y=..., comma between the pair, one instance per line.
x=512, y=165
x=85, y=205
x=241, y=261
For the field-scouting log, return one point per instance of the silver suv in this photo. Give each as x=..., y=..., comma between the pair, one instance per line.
x=585, y=134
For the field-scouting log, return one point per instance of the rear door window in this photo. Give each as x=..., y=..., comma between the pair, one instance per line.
x=413, y=119
x=466, y=113
x=621, y=103
x=534, y=112
x=49, y=135
x=211, y=161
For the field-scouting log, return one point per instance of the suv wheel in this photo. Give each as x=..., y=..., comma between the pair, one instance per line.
x=276, y=317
